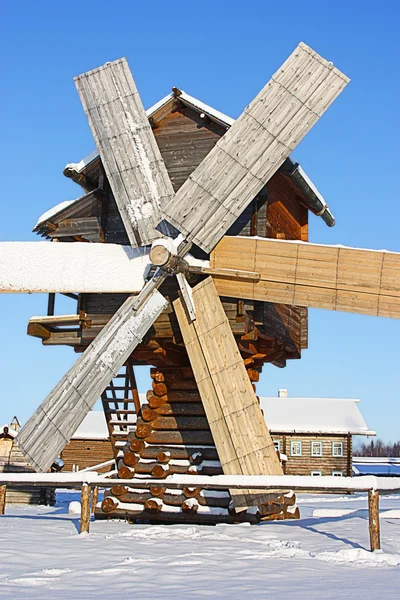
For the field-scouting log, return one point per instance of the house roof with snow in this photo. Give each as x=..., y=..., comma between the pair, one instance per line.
x=283, y=415
x=314, y=415
x=313, y=198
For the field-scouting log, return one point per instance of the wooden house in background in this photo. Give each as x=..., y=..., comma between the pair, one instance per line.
x=12, y=460
x=314, y=434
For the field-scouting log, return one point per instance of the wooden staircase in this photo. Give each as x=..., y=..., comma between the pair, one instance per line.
x=121, y=406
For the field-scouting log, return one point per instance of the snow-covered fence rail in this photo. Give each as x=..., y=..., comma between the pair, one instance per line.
x=89, y=479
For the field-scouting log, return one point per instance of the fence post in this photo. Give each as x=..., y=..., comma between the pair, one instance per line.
x=3, y=490
x=374, y=530
x=95, y=498
x=85, y=508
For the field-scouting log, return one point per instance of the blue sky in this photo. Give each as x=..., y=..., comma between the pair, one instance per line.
x=222, y=53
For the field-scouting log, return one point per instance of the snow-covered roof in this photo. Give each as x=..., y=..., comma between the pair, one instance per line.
x=314, y=415
x=93, y=427
x=283, y=415
x=46, y=216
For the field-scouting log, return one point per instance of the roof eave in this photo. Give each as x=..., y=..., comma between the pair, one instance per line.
x=315, y=201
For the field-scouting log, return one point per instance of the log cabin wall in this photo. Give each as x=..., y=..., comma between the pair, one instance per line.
x=87, y=453
x=306, y=463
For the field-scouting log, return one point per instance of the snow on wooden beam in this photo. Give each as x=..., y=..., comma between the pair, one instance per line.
x=29, y=267
x=328, y=483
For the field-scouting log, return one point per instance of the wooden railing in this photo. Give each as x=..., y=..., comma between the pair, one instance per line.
x=89, y=480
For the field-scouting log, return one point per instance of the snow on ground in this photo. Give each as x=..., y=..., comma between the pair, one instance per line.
x=325, y=557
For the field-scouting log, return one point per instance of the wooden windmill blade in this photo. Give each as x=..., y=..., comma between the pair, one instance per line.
x=72, y=267
x=45, y=434
x=128, y=150
x=255, y=146
x=238, y=427
x=303, y=274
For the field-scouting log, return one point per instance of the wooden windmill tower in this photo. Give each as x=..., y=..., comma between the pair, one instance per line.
x=192, y=285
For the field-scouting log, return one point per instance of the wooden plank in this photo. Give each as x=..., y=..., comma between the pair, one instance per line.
x=239, y=431
x=46, y=433
x=85, y=508
x=86, y=227
x=255, y=146
x=128, y=150
x=301, y=274
x=374, y=525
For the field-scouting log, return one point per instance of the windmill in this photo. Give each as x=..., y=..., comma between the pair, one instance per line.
x=198, y=215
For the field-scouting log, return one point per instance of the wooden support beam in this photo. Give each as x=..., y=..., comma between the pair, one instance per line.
x=374, y=527
x=241, y=436
x=95, y=498
x=3, y=490
x=85, y=508
x=51, y=304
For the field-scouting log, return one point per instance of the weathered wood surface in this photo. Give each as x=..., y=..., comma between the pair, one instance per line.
x=241, y=436
x=330, y=277
x=128, y=150
x=256, y=145
x=55, y=421
x=84, y=228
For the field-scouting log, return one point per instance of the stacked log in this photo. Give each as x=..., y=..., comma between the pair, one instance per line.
x=172, y=435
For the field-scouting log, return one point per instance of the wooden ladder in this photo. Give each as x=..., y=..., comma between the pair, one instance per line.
x=121, y=405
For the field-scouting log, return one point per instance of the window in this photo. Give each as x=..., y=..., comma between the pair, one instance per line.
x=316, y=473
x=316, y=448
x=337, y=448
x=277, y=444
x=337, y=473
x=295, y=449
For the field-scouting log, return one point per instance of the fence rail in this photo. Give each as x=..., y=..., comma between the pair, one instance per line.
x=91, y=480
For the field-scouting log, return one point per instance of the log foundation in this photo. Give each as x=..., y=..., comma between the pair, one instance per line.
x=172, y=435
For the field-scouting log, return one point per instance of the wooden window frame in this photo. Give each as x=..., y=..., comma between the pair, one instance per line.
x=311, y=448
x=316, y=473
x=337, y=473
x=341, y=452
x=277, y=444
x=292, y=442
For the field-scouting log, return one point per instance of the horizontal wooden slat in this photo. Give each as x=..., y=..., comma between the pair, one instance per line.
x=255, y=146
x=330, y=277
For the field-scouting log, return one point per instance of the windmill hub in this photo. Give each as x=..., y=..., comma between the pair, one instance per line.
x=164, y=253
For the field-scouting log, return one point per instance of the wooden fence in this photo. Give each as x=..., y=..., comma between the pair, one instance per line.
x=90, y=482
